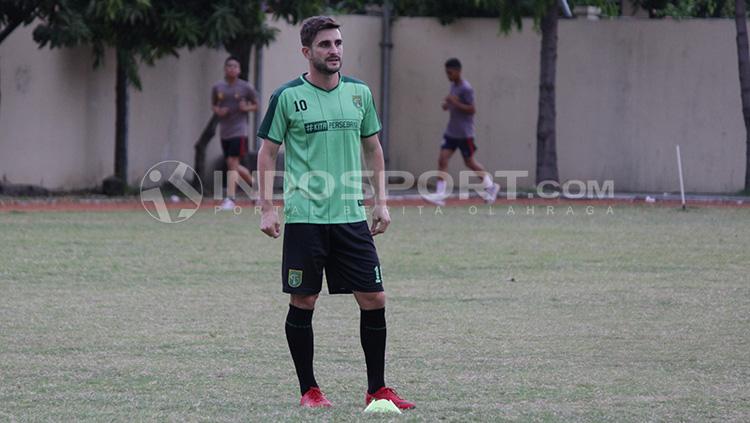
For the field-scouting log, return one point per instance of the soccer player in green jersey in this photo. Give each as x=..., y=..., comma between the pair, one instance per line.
x=324, y=120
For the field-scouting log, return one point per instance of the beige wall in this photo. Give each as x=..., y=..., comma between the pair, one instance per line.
x=628, y=91
x=57, y=113
x=504, y=74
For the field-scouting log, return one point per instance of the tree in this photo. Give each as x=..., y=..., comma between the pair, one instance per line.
x=449, y=10
x=140, y=31
x=740, y=19
x=546, y=127
x=545, y=14
x=253, y=32
x=687, y=8
x=511, y=13
x=14, y=13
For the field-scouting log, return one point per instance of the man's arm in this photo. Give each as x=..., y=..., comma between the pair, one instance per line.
x=248, y=106
x=454, y=101
x=373, y=153
x=269, y=220
x=220, y=111
x=248, y=102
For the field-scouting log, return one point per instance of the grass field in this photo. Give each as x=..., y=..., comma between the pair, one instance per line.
x=638, y=315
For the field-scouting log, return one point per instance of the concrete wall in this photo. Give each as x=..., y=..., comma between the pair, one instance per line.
x=57, y=113
x=628, y=91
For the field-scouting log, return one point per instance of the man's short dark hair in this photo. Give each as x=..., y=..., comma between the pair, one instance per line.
x=230, y=58
x=453, y=63
x=314, y=24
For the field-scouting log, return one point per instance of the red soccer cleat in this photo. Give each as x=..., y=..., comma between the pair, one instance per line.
x=314, y=398
x=388, y=394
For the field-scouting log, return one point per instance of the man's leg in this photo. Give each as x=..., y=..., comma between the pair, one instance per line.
x=245, y=174
x=303, y=259
x=233, y=163
x=353, y=266
x=490, y=187
x=443, y=159
x=477, y=167
x=438, y=198
x=299, y=336
x=372, y=333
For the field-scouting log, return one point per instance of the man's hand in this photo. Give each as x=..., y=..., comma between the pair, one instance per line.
x=452, y=100
x=269, y=223
x=221, y=111
x=380, y=220
x=246, y=106
x=444, y=105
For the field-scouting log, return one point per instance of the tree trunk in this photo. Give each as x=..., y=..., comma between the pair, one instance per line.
x=546, y=152
x=121, y=117
x=200, y=149
x=743, y=57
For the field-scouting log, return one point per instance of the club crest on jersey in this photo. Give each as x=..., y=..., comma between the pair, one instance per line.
x=357, y=100
x=295, y=278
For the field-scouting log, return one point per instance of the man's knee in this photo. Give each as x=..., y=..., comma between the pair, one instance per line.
x=370, y=300
x=233, y=163
x=305, y=302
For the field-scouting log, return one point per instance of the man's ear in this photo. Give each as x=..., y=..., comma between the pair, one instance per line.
x=306, y=52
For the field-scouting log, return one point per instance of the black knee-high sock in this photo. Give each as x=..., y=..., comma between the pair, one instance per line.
x=299, y=335
x=372, y=334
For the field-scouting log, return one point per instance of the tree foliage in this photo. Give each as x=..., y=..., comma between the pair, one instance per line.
x=146, y=30
x=681, y=9
x=14, y=13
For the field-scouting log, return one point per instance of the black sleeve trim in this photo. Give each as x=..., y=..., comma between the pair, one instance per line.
x=368, y=136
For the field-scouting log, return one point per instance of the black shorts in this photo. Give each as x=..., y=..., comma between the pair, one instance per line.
x=234, y=147
x=346, y=252
x=466, y=145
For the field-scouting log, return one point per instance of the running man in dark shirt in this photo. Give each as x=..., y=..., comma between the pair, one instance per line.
x=231, y=100
x=460, y=134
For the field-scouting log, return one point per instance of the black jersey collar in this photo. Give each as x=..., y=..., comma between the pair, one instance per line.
x=304, y=78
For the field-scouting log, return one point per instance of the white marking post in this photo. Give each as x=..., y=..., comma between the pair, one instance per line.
x=679, y=169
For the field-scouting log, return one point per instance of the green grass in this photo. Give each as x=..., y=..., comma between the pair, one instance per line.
x=638, y=315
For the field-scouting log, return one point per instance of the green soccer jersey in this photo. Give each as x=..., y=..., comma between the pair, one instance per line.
x=321, y=131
